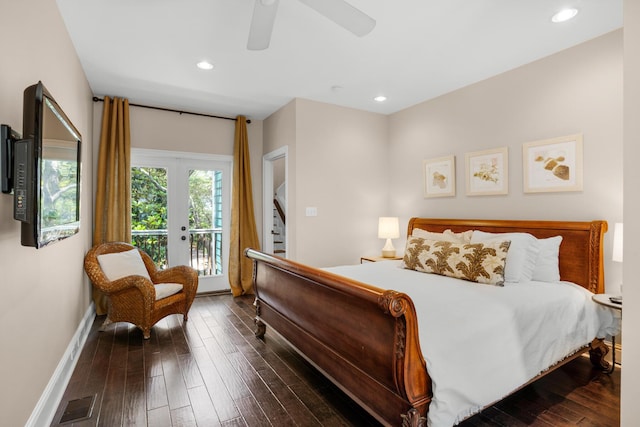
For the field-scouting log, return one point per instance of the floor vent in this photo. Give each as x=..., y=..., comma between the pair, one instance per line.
x=78, y=409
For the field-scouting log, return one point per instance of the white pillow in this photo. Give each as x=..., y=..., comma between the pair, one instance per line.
x=447, y=236
x=122, y=264
x=522, y=255
x=164, y=290
x=547, y=265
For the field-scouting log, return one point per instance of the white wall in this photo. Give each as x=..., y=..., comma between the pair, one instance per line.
x=578, y=90
x=45, y=292
x=280, y=131
x=345, y=159
x=631, y=315
x=339, y=158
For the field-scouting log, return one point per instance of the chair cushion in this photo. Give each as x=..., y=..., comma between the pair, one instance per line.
x=121, y=264
x=164, y=290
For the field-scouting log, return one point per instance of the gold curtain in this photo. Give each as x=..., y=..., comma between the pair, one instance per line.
x=243, y=223
x=113, y=191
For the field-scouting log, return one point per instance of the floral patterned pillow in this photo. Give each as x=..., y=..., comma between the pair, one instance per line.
x=477, y=262
x=447, y=235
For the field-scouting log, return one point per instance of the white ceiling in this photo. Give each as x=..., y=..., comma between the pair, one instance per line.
x=146, y=50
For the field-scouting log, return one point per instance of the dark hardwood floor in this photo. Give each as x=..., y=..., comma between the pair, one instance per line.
x=212, y=371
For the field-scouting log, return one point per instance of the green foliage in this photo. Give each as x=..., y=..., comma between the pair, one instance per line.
x=148, y=198
x=200, y=199
x=149, y=213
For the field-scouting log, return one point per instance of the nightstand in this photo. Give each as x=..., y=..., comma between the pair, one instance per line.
x=605, y=300
x=377, y=258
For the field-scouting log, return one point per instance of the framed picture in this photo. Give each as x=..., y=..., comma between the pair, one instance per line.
x=487, y=172
x=440, y=177
x=553, y=164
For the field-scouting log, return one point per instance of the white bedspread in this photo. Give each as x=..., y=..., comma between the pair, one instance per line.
x=481, y=342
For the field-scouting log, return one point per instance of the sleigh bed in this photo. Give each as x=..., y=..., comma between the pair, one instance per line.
x=365, y=338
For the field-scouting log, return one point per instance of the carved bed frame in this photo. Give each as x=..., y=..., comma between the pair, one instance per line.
x=365, y=339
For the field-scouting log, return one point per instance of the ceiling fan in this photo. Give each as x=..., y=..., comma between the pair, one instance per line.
x=338, y=11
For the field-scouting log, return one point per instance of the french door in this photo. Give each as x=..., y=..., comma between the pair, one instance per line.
x=181, y=211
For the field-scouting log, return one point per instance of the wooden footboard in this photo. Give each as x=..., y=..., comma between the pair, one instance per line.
x=363, y=338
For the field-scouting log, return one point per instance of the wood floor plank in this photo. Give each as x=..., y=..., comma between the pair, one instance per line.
x=222, y=400
x=112, y=405
x=153, y=364
x=160, y=417
x=190, y=372
x=176, y=389
x=236, y=422
x=183, y=417
x=191, y=334
x=201, y=327
x=156, y=393
x=271, y=407
x=135, y=401
x=298, y=412
x=235, y=386
x=212, y=371
x=314, y=402
x=251, y=412
x=203, y=410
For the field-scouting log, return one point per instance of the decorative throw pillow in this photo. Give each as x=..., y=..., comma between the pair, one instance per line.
x=447, y=235
x=522, y=257
x=463, y=237
x=122, y=264
x=547, y=264
x=426, y=234
x=479, y=262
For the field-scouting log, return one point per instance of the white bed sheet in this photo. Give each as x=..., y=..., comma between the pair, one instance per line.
x=482, y=342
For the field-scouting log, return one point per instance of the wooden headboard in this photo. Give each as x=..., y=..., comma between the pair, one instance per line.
x=581, y=251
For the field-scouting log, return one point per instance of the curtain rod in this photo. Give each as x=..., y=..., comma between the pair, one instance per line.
x=96, y=99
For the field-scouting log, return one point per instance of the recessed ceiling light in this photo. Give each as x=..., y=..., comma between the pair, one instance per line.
x=205, y=65
x=380, y=98
x=564, y=15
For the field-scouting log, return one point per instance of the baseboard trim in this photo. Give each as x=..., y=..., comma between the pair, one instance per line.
x=213, y=293
x=47, y=406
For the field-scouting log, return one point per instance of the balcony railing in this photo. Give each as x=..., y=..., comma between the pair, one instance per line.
x=205, y=246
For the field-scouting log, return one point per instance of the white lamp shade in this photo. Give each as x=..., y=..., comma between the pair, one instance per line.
x=388, y=228
x=617, y=242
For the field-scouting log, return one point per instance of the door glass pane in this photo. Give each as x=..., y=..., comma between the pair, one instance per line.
x=205, y=221
x=149, y=212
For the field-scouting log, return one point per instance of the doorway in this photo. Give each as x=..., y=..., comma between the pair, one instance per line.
x=275, y=203
x=181, y=212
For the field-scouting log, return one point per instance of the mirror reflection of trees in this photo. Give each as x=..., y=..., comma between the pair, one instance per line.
x=58, y=193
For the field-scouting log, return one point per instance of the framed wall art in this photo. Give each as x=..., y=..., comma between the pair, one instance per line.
x=487, y=172
x=553, y=164
x=439, y=177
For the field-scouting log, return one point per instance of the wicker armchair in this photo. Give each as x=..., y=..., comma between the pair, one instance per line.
x=133, y=298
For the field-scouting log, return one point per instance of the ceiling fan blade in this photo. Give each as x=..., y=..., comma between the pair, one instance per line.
x=264, y=15
x=343, y=14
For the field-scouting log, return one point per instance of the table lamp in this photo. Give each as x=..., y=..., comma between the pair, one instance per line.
x=388, y=228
